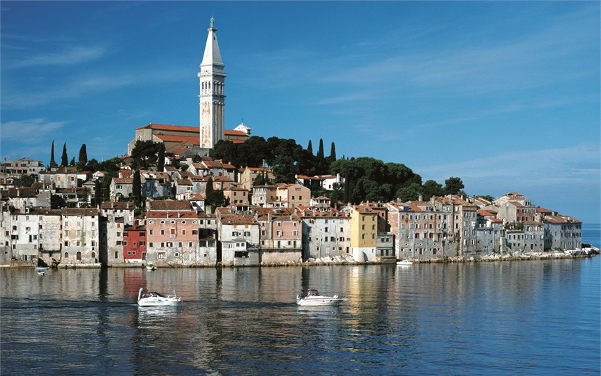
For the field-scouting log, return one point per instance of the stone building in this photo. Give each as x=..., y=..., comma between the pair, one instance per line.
x=281, y=236
x=326, y=233
x=239, y=240
x=292, y=196
x=562, y=232
x=363, y=233
x=80, y=237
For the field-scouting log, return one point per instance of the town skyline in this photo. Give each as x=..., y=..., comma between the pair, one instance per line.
x=528, y=78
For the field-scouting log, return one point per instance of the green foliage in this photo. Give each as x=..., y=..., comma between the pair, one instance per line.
x=64, y=158
x=453, y=185
x=146, y=154
x=25, y=181
x=137, y=189
x=213, y=198
x=83, y=157
x=57, y=202
x=409, y=193
x=52, y=161
x=161, y=158
x=371, y=179
x=432, y=188
x=72, y=162
x=488, y=197
x=310, y=147
x=332, y=157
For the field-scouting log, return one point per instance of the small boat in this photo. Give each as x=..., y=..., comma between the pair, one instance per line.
x=404, y=262
x=41, y=273
x=313, y=298
x=150, y=267
x=153, y=299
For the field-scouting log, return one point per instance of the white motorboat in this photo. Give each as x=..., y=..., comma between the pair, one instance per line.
x=153, y=299
x=404, y=262
x=150, y=267
x=313, y=298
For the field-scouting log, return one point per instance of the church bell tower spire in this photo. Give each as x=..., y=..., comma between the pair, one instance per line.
x=212, y=91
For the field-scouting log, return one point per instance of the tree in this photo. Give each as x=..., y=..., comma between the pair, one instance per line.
x=310, y=147
x=145, y=154
x=453, y=185
x=25, y=181
x=72, y=162
x=57, y=202
x=98, y=192
x=52, y=161
x=83, y=157
x=432, y=188
x=161, y=158
x=409, y=193
x=137, y=189
x=213, y=198
x=64, y=158
x=259, y=180
x=320, y=154
x=333, y=152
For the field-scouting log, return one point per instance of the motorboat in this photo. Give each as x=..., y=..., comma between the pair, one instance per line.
x=404, y=262
x=150, y=267
x=313, y=298
x=153, y=299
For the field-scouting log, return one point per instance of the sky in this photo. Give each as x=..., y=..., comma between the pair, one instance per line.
x=505, y=95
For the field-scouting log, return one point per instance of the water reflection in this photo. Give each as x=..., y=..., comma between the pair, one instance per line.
x=421, y=319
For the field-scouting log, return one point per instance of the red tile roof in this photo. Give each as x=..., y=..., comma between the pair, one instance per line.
x=172, y=214
x=231, y=132
x=180, y=139
x=169, y=205
x=166, y=127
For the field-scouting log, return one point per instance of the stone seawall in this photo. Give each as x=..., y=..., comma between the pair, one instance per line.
x=338, y=260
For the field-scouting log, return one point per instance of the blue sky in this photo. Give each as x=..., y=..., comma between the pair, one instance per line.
x=503, y=94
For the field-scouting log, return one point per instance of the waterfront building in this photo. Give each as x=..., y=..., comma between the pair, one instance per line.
x=115, y=228
x=173, y=239
x=134, y=243
x=562, y=232
x=363, y=233
x=320, y=202
x=281, y=236
x=239, y=240
x=22, y=198
x=326, y=233
x=80, y=236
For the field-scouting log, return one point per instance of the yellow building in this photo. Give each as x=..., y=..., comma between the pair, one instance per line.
x=364, y=231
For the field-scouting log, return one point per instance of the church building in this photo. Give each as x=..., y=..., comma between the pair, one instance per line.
x=179, y=139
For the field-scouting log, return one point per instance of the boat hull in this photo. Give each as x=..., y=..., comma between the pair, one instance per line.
x=321, y=301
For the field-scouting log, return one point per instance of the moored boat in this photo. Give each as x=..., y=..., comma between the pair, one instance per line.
x=153, y=299
x=404, y=262
x=150, y=266
x=313, y=298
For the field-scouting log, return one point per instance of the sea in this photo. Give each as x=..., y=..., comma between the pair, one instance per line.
x=491, y=318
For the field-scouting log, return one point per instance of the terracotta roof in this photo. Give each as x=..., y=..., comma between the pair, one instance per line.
x=117, y=205
x=174, y=214
x=265, y=169
x=496, y=220
x=169, y=205
x=237, y=219
x=181, y=139
x=559, y=219
x=196, y=196
x=123, y=180
x=532, y=223
x=184, y=182
x=237, y=141
x=80, y=211
x=231, y=132
x=485, y=213
x=166, y=127
x=543, y=210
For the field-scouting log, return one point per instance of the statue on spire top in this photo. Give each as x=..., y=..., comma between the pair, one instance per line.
x=212, y=24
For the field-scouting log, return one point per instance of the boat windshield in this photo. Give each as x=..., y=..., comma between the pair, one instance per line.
x=312, y=292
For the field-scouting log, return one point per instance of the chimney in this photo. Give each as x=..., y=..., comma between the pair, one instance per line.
x=420, y=198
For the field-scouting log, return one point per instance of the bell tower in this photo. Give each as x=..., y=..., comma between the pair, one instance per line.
x=212, y=91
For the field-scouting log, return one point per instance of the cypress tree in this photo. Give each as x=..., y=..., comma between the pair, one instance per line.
x=320, y=154
x=72, y=162
x=52, y=161
x=64, y=158
x=137, y=189
x=310, y=147
x=333, y=153
x=161, y=157
x=83, y=156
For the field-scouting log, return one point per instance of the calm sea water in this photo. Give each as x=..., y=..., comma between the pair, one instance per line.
x=529, y=317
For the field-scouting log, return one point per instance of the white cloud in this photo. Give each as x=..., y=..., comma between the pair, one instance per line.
x=29, y=131
x=70, y=56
